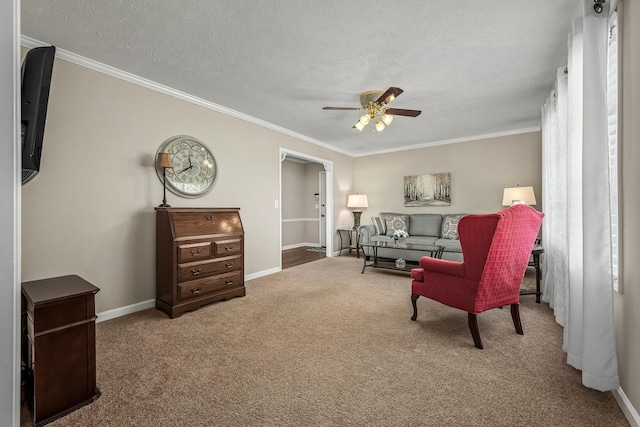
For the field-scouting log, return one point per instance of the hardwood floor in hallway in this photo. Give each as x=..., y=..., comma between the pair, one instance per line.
x=297, y=256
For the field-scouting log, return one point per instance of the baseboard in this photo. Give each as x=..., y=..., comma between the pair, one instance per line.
x=301, y=245
x=262, y=273
x=627, y=408
x=123, y=311
x=139, y=306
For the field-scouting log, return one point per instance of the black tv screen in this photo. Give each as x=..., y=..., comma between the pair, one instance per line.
x=37, y=68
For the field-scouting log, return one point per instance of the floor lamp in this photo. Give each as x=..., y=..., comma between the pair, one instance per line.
x=357, y=202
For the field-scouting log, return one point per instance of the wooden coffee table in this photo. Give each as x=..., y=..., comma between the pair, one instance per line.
x=389, y=263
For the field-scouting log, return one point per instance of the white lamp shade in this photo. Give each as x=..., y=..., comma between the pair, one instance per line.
x=357, y=201
x=518, y=195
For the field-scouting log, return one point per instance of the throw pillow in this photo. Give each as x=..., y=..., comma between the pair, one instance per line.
x=399, y=222
x=379, y=225
x=450, y=226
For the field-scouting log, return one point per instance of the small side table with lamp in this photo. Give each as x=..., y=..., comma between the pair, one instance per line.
x=356, y=202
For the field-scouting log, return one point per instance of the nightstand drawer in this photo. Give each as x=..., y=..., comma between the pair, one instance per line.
x=211, y=284
x=227, y=247
x=194, y=251
x=212, y=267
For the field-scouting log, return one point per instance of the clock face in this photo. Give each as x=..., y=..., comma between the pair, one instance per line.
x=194, y=168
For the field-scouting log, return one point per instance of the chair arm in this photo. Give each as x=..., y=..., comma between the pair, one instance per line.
x=443, y=266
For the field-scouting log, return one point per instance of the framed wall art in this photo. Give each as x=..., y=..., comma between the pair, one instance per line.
x=432, y=189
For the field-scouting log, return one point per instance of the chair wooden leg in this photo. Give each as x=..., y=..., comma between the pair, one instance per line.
x=475, y=333
x=414, y=298
x=515, y=315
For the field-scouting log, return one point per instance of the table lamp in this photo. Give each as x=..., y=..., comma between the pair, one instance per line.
x=518, y=195
x=164, y=161
x=357, y=202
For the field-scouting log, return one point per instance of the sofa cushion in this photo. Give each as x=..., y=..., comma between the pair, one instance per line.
x=397, y=222
x=449, y=245
x=425, y=224
x=422, y=240
x=379, y=224
x=450, y=226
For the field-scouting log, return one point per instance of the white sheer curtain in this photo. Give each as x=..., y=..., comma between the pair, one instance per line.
x=577, y=234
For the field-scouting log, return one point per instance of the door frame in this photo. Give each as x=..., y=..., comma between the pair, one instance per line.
x=322, y=206
x=328, y=167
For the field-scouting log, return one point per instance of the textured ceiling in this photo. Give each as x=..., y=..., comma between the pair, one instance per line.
x=474, y=68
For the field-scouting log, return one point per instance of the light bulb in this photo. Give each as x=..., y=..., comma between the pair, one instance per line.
x=365, y=119
x=379, y=126
x=387, y=119
x=359, y=126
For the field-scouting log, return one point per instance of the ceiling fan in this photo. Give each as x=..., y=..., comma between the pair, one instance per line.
x=375, y=103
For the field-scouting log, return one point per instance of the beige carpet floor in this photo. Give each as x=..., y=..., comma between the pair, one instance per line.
x=322, y=345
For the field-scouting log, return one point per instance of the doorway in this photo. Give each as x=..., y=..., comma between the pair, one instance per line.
x=323, y=200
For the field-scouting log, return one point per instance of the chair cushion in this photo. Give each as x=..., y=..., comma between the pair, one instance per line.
x=398, y=222
x=450, y=226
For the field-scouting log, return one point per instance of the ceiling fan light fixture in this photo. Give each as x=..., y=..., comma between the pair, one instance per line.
x=380, y=126
x=359, y=126
x=387, y=119
x=365, y=119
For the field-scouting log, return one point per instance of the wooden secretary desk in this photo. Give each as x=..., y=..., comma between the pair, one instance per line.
x=199, y=257
x=58, y=346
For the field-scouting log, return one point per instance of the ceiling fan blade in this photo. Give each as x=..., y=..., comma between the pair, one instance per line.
x=402, y=112
x=341, y=108
x=389, y=95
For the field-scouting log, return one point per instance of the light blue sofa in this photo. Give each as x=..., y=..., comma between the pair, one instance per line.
x=426, y=229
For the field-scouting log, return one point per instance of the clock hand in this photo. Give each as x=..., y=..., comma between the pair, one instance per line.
x=186, y=169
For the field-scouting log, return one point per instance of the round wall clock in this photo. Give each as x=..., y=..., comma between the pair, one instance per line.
x=194, y=168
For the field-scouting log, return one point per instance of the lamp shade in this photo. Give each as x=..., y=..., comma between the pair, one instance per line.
x=164, y=161
x=518, y=195
x=357, y=201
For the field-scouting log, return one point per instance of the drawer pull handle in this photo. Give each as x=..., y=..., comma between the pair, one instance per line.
x=208, y=217
x=197, y=271
x=228, y=282
x=229, y=264
x=195, y=291
x=195, y=253
x=228, y=248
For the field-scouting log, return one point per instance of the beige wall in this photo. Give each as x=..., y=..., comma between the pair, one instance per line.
x=627, y=305
x=480, y=170
x=91, y=210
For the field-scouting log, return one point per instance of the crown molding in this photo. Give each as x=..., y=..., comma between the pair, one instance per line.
x=451, y=141
x=132, y=78
x=74, y=58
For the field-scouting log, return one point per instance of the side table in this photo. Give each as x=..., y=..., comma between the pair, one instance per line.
x=349, y=232
x=536, y=252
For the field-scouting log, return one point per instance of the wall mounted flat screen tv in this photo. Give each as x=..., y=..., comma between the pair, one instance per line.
x=37, y=68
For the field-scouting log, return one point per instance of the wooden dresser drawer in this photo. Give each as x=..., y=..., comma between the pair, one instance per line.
x=194, y=270
x=197, y=288
x=228, y=247
x=194, y=251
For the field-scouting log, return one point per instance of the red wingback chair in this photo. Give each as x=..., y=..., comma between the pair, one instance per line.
x=496, y=249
